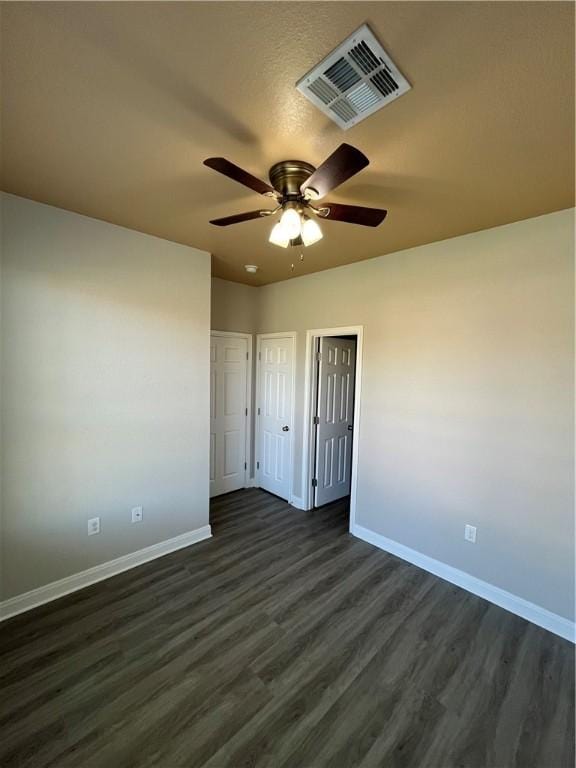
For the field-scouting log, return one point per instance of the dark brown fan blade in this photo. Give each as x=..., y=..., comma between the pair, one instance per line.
x=238, y=218
x=355, y=214
x=238, y=174
x=342, y=164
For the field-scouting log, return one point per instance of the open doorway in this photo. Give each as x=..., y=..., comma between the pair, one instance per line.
x=332, y=390
x=333, y=418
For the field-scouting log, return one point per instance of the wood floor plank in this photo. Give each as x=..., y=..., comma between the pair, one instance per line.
x=282, y=642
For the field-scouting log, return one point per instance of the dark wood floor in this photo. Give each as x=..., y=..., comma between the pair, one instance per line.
x=283, y=641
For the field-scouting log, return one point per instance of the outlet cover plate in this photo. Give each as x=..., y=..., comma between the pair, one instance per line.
x=470, y=533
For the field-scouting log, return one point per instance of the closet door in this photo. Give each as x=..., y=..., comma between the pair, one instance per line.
x=336, y=369
x=274, y=418
x=228, y=413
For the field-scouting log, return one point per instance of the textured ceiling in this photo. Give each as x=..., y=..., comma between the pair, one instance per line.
x=110, y=108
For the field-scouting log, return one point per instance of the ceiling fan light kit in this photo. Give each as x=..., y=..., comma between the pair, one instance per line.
x=295, y=185
x=295, y=228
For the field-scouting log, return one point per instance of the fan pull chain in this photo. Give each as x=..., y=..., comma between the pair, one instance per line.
x=292, y=265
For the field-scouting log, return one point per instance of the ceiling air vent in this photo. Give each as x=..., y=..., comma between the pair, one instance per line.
x=354, y=81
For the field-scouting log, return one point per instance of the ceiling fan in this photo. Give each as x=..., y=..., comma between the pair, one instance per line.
x=295, y=185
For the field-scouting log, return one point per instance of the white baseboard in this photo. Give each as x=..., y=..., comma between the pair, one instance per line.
x=517, y=605
x=25, y=602
x=297, y=502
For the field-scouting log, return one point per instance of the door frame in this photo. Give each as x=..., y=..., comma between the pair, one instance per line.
x=259, y=338
x=309, y=395
x=248, y=438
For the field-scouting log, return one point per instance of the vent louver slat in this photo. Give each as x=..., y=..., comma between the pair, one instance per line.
x=323, y=90
x=354, y=81
x=385, y=84
x=363, y=97
x=388, y=78
x=342, y=74
x=343, y=110
x=363, y=56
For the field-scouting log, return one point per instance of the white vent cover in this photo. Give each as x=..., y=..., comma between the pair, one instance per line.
x=354, y=81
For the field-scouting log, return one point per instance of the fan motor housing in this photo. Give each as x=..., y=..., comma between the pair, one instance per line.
x=288, y=176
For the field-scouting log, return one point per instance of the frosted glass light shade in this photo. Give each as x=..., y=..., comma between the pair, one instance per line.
x=278, y=236
x=311, y=232
x=291, y=222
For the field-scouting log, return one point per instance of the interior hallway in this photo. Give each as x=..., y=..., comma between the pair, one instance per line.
x=283, y=641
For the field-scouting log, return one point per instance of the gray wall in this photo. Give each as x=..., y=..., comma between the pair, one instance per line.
x=105, y=365
x=467, y=411
x=467, y=401
x=234, y=307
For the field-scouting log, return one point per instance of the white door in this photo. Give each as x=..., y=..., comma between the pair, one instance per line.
x=274, y=415
x=228, y=413
x=335, y=412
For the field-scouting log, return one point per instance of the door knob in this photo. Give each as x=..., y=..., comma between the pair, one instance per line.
x=285, y=429
x=349, y=427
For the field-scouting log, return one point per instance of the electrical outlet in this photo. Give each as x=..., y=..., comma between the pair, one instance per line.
x=93, y=526
x=137, y=514
x=470, y=533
